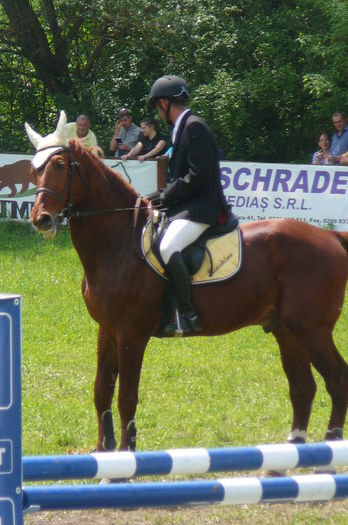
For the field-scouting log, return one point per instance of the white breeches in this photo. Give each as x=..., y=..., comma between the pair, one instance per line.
x=180, y=234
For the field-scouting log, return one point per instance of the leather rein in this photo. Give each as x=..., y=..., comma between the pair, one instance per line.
x=67, y=212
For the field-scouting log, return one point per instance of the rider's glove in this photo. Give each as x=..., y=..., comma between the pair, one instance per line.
x=156, y=197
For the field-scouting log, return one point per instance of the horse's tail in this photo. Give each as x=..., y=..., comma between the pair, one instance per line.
x=343, y=238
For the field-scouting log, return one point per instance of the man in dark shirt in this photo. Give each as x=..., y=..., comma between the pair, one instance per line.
x=150, y=143
x=339, y=141
x=126, y=133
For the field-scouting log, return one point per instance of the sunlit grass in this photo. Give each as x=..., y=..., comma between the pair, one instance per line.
x=209, y=392
x=217, y=391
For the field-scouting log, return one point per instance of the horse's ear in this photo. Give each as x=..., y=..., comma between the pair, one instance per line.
x=34, y=137
x=61, y=126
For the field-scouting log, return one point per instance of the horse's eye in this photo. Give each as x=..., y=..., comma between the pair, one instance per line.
x=59, y=164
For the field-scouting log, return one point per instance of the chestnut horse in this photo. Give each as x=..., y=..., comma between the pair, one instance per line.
x=291, y=282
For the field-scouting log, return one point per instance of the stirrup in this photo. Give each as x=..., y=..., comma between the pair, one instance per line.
x=178, y=332
x=184, y=324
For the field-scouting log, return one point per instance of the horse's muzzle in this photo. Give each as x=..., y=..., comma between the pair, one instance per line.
x=46, y=225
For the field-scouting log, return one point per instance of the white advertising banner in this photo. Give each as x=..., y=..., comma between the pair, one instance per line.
x=141, y=175
x=313, y=194
x=256, y=191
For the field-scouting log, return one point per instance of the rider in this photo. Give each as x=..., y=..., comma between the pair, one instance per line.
x=193, y=197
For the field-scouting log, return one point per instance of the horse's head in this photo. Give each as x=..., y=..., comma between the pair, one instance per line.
x=53, y=168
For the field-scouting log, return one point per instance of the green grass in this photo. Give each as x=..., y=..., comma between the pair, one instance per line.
x=227, y=390
x=209, y=392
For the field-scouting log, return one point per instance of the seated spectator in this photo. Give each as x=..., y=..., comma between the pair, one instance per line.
x=81, y=130
x=125, y=135
x=344, y=159
x=339, y=141
x=322, y=155
x=150, y=143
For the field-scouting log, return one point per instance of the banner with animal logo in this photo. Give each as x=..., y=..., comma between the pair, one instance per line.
x=256, y=191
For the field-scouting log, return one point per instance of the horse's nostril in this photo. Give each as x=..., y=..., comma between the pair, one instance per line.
x=44, y=222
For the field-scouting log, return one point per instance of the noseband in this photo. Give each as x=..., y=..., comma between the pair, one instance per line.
x=61, y=197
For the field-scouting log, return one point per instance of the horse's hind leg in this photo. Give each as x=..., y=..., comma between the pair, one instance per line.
x=334, y=370
x=104, y=386
x=302, y=386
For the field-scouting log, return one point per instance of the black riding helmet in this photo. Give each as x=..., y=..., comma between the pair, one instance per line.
x=171, y=87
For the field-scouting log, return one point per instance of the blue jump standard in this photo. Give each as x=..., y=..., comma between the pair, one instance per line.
x=10, y=411
x=124, y=465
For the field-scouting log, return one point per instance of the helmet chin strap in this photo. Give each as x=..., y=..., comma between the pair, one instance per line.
x=166, y=111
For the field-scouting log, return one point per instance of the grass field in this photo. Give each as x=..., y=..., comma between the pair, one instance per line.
x=221, y=391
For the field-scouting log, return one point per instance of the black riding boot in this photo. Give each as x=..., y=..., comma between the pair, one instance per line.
x=188, y=318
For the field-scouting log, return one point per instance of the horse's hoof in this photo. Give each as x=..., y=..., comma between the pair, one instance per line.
x=104, y=481
x=297, y=441
x=276, y=473
x=107, y=481
x=336, y=434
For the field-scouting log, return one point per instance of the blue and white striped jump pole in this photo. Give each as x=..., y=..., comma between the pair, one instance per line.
x=122, y=465
x=315, y=487
x=11, y=512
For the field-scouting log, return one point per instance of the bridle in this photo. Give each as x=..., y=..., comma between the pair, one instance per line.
x=61, y=197
x=67, y=212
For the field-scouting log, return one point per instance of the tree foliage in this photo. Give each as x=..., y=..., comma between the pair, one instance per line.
x=266, y=75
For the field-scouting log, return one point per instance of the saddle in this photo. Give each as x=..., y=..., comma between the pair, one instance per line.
x=214, y=257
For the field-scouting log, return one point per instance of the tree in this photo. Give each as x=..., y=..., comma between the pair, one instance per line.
x=52, y=50
x=266, y=75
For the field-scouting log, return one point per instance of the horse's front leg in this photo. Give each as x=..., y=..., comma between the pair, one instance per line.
x=131, y=353
x=104, y=386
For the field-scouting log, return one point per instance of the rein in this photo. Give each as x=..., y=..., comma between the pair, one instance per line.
x=67, y=212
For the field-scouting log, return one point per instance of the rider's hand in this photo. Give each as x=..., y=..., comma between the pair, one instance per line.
x=156, y=197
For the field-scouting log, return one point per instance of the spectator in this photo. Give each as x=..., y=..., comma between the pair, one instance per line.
x=344, y=159
x=150, y=143
x=322, y=155
x=81, y=130
x=126, y=133
x=339, y=141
